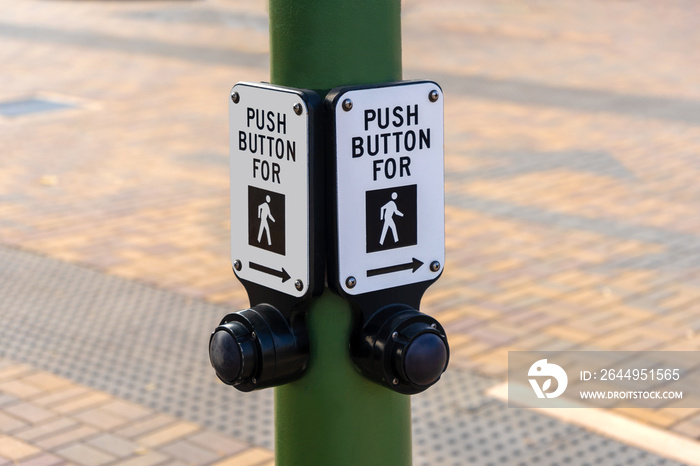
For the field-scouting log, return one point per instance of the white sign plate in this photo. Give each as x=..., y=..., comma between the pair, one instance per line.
x=390, y=181
x=269, y=161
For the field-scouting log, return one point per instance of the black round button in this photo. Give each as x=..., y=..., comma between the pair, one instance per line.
x=226, y=357
x=425, y=359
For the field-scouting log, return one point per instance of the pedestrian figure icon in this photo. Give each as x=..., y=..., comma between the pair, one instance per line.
x=391, y=215
x=264, y=215
x=386, y=214
x=266, y=220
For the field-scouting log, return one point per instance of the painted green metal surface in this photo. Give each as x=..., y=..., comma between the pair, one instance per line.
x=321, y=44
x=333, y=416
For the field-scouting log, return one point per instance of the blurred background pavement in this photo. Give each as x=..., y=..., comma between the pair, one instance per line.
x=573, y=219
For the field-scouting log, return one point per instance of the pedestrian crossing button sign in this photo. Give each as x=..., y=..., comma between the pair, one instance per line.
x=390, y=202
x=270, y=161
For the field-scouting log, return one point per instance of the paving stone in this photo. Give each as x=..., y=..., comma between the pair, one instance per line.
x=42, y=460
x=125, y=410
x=6, y=399
x=189, y=452
x=14, y=449
x=81, y=403
x=250, y=457
x=149, y=459
x=19, y=389
x=145, y=426
x=114, y=445
x=45, y=429
x=29, y=412
x=46, y=381
x=10, y=423
x=218, y=443
x=85, y=455
x=167, y=434
x=59, y=396
x=67, y=436
x=13, y=371
x=101, y=419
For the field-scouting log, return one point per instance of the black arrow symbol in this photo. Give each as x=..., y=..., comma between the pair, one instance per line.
x=261, y=268
x=414, y=264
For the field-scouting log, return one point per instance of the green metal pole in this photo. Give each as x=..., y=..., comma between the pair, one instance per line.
x=322, y=44
x=332, y=415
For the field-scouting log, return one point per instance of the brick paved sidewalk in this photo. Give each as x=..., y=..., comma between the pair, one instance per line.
x=572, y=141
x=47, y=420
x=144, y=345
